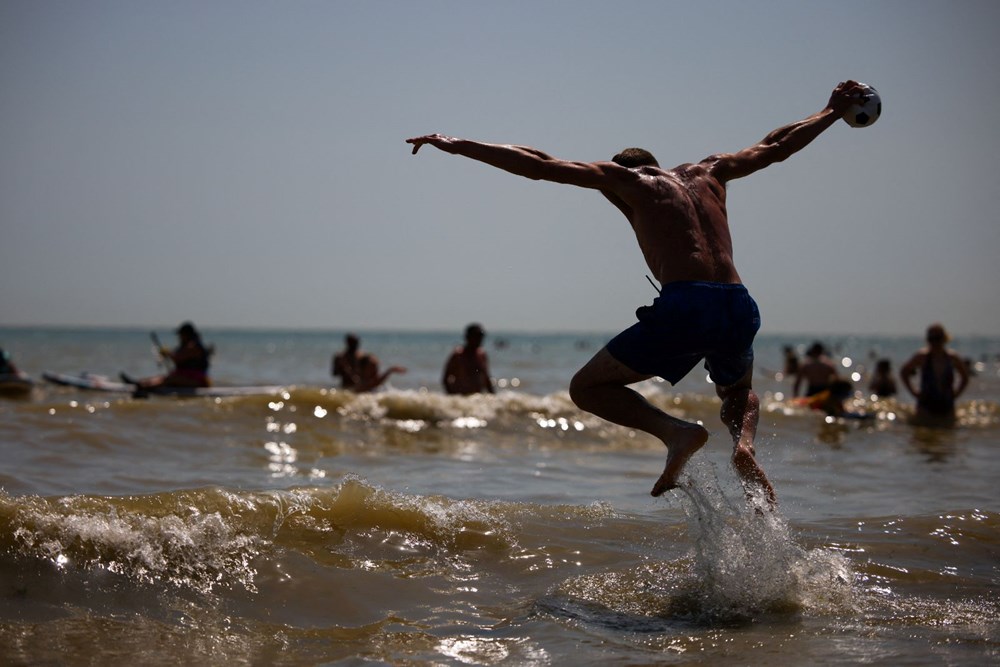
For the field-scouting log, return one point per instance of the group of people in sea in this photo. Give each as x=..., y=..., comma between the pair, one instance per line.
x=934, y=375
x=466, y=370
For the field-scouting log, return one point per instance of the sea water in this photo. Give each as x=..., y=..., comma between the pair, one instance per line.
x=409, y=527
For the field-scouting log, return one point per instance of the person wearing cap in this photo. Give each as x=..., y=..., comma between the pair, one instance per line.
x=467, y=370
x=943, y=377
x=190, y=360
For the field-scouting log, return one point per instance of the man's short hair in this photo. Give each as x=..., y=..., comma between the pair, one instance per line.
x=635, y=157
x=475, y=329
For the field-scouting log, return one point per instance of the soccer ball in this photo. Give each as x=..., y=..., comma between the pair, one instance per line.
x=866, y=111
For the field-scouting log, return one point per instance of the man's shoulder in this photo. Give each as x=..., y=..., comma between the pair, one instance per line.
x=694, y=174
x=689, y=168
x=955, y=357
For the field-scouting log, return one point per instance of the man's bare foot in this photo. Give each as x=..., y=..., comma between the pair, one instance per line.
x=751, y=473
x=684, y=443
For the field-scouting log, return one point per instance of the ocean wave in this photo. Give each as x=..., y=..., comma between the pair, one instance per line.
x=208, y=538
x=356, y=556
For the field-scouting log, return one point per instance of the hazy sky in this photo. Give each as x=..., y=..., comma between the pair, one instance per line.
x=242, y=163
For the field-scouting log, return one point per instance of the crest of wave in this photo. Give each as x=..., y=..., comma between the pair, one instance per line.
x=184, y=547
x=463, y=411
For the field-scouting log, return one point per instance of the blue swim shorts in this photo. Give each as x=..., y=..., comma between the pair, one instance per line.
x=688, y=322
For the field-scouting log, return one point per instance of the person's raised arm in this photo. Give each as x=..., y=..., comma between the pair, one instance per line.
x=377, y=380
x=785, y=141
x=528, y=162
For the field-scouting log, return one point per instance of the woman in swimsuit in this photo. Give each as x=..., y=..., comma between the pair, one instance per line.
x=938, y=368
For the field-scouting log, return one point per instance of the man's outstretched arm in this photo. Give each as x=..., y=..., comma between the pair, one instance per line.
x=785, y=141
x=528, y=162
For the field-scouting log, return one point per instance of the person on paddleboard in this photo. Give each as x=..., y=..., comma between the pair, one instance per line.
x=7, y=366
x=703, y=311
x=190, y=360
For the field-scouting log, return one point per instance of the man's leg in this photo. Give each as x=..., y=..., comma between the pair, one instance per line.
x=740, y=413
x=600, y=387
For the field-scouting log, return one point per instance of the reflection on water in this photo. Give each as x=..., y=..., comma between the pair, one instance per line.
x=936, y=445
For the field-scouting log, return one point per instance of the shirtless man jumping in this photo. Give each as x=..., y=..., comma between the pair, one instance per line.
x=703, y=312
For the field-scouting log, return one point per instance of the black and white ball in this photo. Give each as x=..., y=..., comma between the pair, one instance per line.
x=866, y=111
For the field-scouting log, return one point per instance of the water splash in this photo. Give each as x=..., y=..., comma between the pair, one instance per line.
x=744, y=565
x=746, y=561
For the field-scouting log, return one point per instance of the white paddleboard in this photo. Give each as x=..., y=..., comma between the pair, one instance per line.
x=93, y=382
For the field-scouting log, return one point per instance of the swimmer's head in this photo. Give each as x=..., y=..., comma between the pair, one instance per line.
x=635, y=157
x=188, y=332
x=474, y=334
x=936, y=333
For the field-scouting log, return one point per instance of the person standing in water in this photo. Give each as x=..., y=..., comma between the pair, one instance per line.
x=467, y=369
x=943, y=377
x=359, y=371
x=882, y=383
x=817, y=371
x=703, y=311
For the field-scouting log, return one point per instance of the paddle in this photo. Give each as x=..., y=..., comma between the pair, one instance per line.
x=161, y=359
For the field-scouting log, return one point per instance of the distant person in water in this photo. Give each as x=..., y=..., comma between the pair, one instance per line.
x=467, y=370
x=190, y=361
x=817, y=371
x=359, y=371
x=703, y=312
x=943, y=377
x=791, y=364
x=7, y=366
x=346, y=363
x=371, y=377
x=13, y=382
x=882, y=383
x=831, y=401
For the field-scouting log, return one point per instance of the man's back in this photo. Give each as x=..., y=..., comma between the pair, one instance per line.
x=466, y=371
x=680, y=221
x=818, y=371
